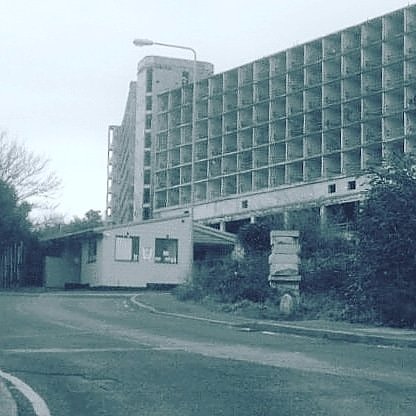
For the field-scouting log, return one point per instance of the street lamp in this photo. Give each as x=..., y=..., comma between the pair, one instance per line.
x=148, y=42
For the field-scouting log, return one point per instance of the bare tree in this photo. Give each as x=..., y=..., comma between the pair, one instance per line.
x=26, y=172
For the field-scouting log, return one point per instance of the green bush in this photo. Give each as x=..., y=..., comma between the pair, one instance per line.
x=327, y=260
x=386, y=230
x=188, y=291
x=14, y=222
x=255, y=237
x=230, y=280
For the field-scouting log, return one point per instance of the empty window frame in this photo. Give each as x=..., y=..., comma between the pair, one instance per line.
x=148, y=122
x=146, y=179
x=166, y=250
x=149, y=80
x=146, y=196
x=127, y=248
x=147, y=140
x=147, y=158
x=185, y=77
x=332, y=188
x=149, y=103
x=351, y=185
x=92, y=250
x=146, y=213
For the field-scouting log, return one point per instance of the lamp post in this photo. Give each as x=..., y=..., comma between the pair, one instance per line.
x=148, y=42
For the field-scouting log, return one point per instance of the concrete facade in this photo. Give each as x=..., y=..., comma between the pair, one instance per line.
x=130, y=255
x=131, y=145
x=292, y=130
x=120, y=164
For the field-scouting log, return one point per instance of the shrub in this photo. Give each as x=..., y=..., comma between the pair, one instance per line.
x=188, y=291
x=327, y=260
x=230, y=280
x=386, y=229
x=255, y=237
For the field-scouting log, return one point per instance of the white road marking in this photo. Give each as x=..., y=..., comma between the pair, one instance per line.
x=68, y=350
x=270, y=333
x=177, y=315
x=39, y=406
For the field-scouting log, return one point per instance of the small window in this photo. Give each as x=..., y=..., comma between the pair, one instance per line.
x=185, y=77
x=147, y=140
x=352, y=185
x=149, y=80
x=244, y=203
x=148, y=122
x=146, y=213
x=146, y=196
x=92, y=251
x=146, y=177
x=166, y=250
x=148, y=103
x=332, y=188
x=127, y=248
x=147, y=158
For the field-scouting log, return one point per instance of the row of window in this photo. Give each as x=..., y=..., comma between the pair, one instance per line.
x=127, y=248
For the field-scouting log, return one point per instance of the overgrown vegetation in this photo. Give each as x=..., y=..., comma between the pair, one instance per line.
x=14, y=223
x=367, y=274
x=52, y=226
x=17, y=239
x=385, y=276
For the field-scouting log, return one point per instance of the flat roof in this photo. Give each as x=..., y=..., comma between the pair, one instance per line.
x=202, y=234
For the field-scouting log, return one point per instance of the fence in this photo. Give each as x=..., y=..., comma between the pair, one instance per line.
x=12, y=265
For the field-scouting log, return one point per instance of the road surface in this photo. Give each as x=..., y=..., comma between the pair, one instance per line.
x=88, y=355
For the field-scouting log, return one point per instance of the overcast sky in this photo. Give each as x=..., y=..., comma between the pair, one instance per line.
x=65, y=65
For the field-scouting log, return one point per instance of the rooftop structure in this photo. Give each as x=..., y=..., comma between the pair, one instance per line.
x=130, y=145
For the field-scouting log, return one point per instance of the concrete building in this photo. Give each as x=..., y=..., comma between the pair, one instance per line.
x=289, y=131
x=131, y=145
x=142, y=254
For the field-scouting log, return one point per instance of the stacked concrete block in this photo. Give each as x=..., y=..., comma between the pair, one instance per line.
x=284, y=262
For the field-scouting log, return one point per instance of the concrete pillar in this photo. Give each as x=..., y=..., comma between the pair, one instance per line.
x=222, y=225
x=284, y=267
x=285, y=219
x=323, y=215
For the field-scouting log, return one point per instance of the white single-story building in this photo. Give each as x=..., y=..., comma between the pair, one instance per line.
x=153, y=252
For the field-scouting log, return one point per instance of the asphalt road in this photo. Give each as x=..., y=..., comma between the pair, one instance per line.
x=101, y=355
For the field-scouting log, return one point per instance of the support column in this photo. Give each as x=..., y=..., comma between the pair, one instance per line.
x=284, y=268
x=222, y=225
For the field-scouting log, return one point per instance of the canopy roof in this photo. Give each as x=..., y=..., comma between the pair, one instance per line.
x=211, y=236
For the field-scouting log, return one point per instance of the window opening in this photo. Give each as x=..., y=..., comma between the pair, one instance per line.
x=147, y=140
x=148, y=122
x=149, y=80
x=166, y=250
x=92, y=251
x=185, y=77
x=352, y=185
x=148, y=103
x=127, y=248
